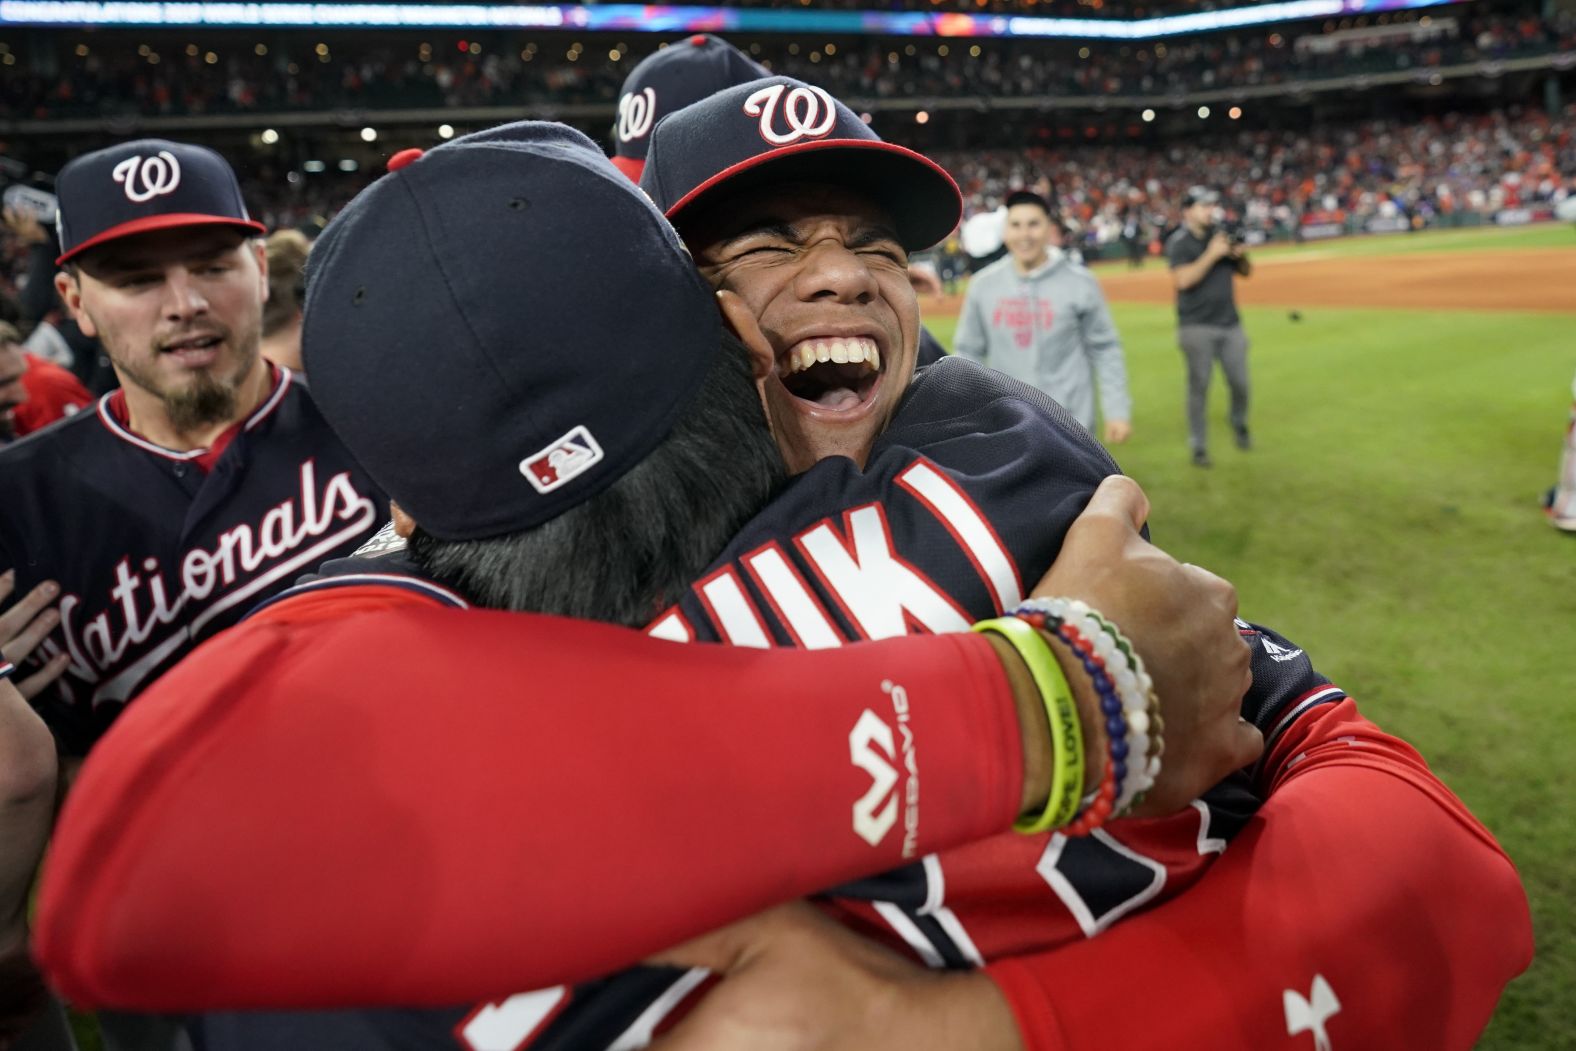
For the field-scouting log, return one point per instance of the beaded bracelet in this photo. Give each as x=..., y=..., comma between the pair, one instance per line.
x=1132, y=714
x=1112, y=651
x=1067, y=769
x=1103, y=801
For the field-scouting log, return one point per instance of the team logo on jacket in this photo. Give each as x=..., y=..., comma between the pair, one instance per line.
x=636, y=112
x=808, y=113
x=563, y=461
x=144, y=178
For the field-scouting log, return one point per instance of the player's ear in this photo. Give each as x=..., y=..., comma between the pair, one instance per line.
x=404, y=524
x=69, y=287
x=741, y=320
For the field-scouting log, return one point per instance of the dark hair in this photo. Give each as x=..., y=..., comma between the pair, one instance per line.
x=629, y=552
x=1017, y=197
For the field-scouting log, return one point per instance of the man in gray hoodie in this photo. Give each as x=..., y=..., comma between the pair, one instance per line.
x=1041, y=318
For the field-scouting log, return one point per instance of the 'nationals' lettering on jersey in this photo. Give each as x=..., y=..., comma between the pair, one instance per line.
x=305, y=526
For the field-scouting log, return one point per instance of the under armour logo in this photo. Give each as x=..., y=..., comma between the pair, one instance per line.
x=636, y=112
x=145, y=178
x=1309, y=1015
x=870, y=733
x=808, y=111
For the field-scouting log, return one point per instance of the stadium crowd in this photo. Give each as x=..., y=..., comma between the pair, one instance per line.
x=1275, y=182
x=180, y=78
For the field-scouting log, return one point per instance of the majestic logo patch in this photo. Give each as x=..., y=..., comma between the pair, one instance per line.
x=809, y=113
x=636, y=113
x=561, y=462
x=145, y=178
x=1303, y=1016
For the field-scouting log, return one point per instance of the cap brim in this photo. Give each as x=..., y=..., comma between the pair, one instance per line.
x=917, y=192
x=630, y=166
x=149, y=223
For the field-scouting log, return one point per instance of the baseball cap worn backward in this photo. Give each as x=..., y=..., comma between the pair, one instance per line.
x=780, y=130
x=137, y=187
x=679, y=75
x=502, y=328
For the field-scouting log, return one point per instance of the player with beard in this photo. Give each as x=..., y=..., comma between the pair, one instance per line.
x=1064, y=891
x=206, y=483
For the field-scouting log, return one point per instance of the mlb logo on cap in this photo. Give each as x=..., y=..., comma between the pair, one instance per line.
x=566, y=459
x=138, y=187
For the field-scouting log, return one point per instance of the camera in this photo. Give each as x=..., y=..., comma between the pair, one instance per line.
x=22, y=195
x=30, y=200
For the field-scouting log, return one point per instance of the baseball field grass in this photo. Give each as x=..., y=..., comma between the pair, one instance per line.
x=1387, y=520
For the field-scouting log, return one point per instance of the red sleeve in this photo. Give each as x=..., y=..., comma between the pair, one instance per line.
x=246, y=830
x=1362, y=882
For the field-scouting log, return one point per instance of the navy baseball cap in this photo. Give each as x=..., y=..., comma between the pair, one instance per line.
x=679, y=75
x=781, y=130
x=502, y=326
x=150, y=184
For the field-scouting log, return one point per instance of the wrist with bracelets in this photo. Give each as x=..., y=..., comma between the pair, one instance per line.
x=7, y=669
x=1128, y=705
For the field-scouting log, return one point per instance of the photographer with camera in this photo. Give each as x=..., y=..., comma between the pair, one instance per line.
x=1204, y=260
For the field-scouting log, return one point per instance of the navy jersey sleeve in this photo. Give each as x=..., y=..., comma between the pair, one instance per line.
x=930, y=349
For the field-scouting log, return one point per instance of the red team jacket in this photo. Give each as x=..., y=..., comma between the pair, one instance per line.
x=1339, y=938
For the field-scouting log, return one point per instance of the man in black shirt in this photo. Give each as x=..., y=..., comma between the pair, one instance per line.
x=1204, y=261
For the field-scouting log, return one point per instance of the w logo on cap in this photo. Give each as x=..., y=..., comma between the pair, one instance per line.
x=637, y=111
x=145, y=178
x=808, y=112
x=566, y=459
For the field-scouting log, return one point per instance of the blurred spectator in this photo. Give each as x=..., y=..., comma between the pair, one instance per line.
x=382, y=72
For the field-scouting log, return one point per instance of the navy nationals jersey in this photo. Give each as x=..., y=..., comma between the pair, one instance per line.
x=965, y=499
x=153, y=553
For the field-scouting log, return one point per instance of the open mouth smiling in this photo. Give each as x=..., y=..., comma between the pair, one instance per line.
x=835, y=373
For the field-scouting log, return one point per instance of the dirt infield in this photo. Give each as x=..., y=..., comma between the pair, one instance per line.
x=1541, y=279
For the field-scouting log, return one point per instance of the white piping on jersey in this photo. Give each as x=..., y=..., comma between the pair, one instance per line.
x=1207, y=844
x=126, y=434
x=427, y=587
x=1321, y=695
x=935, y=884
x=954, y=927
x=639, y=1033
x=970, y=528
x=1092, y=925
x=898, y=920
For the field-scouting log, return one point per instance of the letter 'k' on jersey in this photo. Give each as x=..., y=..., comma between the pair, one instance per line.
x=156, y=550
x=964, y=503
